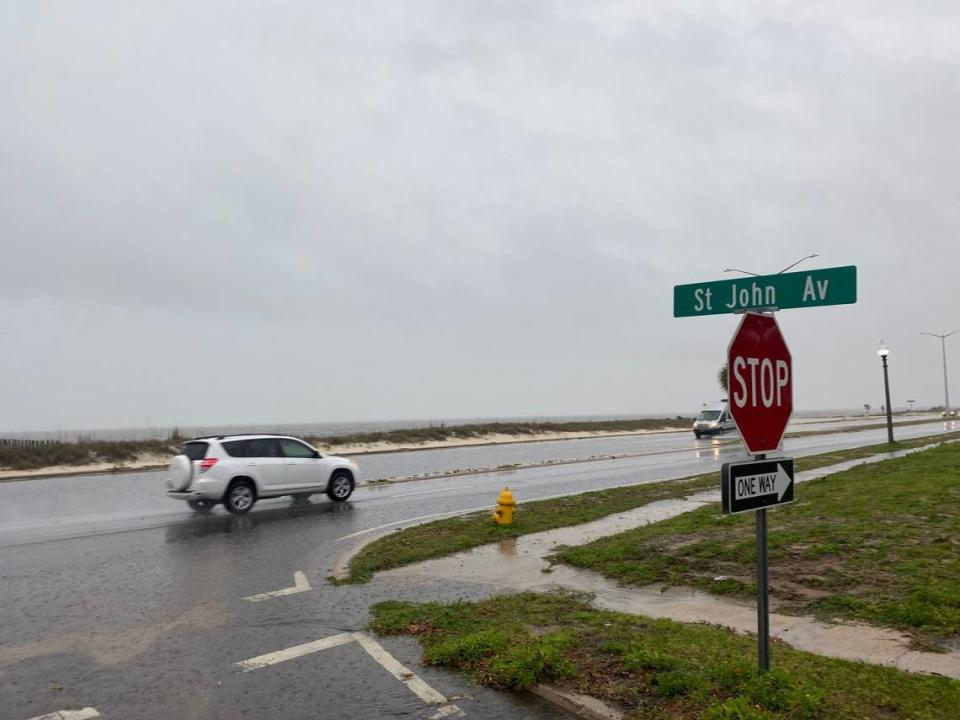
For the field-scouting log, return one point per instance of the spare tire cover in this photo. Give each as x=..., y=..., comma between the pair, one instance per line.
x=180, y=473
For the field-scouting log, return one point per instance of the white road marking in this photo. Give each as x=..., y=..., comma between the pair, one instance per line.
x=262, y=661
x=415, y=520
x=430, y=492
x=86, y=713
x=401, y=673
x=416, y=685
x=300, y=584
x=448, y=711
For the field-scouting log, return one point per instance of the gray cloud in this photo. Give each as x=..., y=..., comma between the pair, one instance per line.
x=246, y=212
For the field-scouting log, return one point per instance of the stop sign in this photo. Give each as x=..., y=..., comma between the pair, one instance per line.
x=760, y=382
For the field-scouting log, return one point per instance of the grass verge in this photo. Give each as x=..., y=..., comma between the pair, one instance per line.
x=656, y=668
x=444, y=537
x=877, y=543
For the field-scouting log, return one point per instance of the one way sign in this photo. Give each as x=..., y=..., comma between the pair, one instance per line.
x=748, y=486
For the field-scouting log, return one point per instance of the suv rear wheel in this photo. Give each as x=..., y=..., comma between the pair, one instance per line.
x=240, y=497
x=340, y=486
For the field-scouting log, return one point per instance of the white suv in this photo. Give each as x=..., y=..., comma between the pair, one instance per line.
x=237, y=470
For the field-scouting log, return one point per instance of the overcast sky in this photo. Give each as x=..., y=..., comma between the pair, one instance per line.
x=233, y=212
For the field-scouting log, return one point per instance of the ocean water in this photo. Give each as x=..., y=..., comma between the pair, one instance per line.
x=333, y=429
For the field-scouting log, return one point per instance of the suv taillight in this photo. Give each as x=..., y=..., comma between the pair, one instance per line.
x=207, y=464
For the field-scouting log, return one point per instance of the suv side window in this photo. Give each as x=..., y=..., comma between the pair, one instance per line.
x=263, y=448
x=237, y=448
x=294, y=449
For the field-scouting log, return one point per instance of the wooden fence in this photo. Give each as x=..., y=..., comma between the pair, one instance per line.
x=27, y=442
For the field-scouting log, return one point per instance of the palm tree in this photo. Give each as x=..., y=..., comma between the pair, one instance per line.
x=722, y=377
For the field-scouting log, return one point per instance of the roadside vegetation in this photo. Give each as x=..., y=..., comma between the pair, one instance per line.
x=437, y=433
x=655, y=668
x=877, y=543
x=444, y=537
x=33, y=455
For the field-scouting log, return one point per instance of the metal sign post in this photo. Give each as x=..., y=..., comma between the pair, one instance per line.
x=753, y=486
x=763, y=609
x=763, y=597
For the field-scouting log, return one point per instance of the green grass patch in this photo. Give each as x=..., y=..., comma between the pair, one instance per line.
x=444, y=537
x=878, y=543
x=656, y=668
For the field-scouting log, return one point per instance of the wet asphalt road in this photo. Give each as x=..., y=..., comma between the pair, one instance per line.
x=117, y=598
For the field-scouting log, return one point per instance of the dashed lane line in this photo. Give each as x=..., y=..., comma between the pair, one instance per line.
x=300, y=584
x=412, y=520
x=87, y=713
x=430, y=492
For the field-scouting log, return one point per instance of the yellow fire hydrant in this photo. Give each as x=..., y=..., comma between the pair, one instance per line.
x=503, y=515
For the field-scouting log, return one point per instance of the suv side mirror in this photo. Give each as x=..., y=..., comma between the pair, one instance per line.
x=316, y=454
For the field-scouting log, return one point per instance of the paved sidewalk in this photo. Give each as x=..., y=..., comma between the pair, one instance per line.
x=520, y=564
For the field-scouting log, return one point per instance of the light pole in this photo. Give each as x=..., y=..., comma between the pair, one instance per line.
x=883, y=352
x=943, y=347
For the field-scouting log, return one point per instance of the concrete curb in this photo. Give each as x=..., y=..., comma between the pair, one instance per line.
x=115, y=470
x=583, y=706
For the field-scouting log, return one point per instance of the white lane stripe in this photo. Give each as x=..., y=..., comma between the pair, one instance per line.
x=262, y=661
x=448, y=711
x=414, y=520
x=300, y=584
x=401, y=673
x=430, y=492
x=86, y=713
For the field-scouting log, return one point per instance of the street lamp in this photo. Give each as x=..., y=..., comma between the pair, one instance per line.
x=943, y=347
x=883, y=352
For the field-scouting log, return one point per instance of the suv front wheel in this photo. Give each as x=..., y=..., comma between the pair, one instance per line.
x=340, y=486
x=240, y=497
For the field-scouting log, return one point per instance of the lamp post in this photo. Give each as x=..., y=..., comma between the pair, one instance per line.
x=883, y=352
x=943, y=348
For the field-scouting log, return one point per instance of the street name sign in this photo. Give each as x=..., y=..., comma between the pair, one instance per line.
x=760, y=382
x=829, y=286
x=749, y=486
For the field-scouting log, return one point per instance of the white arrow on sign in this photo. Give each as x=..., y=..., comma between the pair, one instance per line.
x=751, y=486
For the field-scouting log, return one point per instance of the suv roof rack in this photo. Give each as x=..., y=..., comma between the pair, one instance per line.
x=233, y=435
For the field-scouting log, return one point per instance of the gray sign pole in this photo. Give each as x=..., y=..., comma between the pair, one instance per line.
x=763, y=609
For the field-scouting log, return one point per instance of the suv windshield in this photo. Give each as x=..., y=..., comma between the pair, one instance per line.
x=709, y=415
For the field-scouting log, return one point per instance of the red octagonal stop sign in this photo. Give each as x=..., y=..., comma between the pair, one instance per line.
x=760, y=382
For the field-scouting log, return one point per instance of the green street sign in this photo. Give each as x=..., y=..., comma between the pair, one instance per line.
x=830, y=286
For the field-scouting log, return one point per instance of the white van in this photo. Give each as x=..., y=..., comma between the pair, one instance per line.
x=714, y=419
